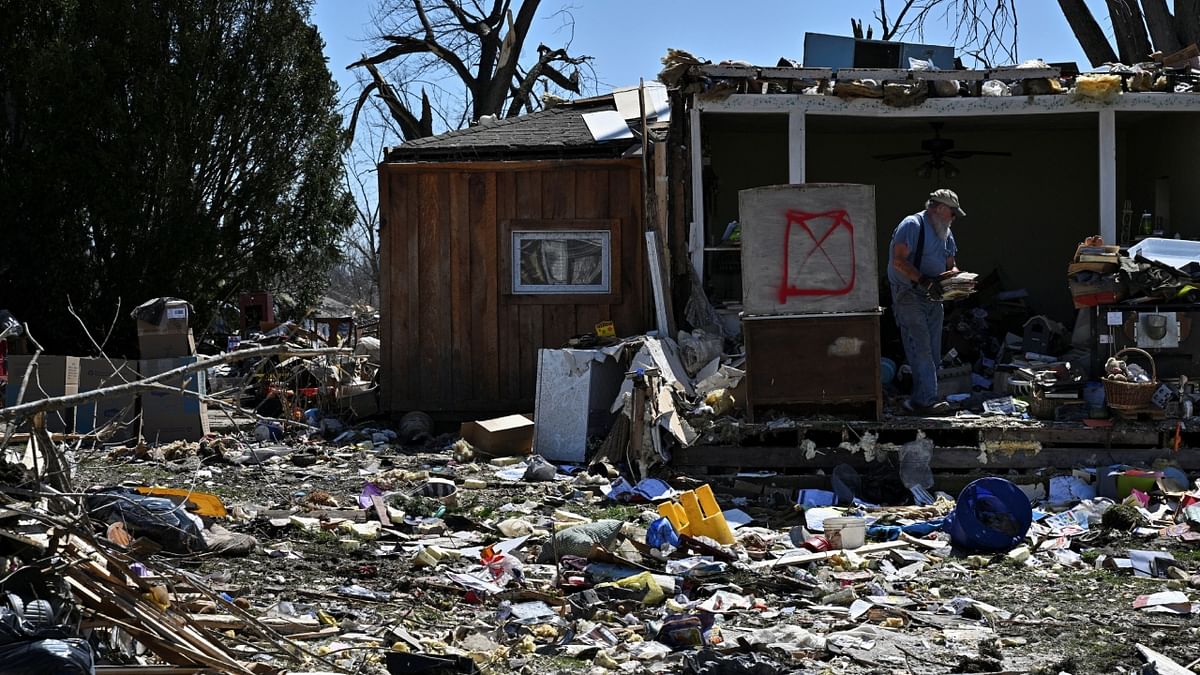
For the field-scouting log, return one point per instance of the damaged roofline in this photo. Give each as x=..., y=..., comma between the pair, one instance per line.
x=947, y=107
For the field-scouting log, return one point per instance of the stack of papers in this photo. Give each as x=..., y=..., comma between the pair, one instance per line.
x=958, y=286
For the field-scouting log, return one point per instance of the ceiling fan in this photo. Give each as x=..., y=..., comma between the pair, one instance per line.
x=939, y=150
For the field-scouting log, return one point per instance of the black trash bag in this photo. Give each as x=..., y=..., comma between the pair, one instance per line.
x=399, y=663
x=708, y=662
x=539, y=470
x=151, y=311
x=47, y=657
x=156, y=518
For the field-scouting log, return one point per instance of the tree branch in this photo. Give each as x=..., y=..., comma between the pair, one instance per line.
x=1129, y=29
x=1088, y=32
x=542, y=68
x=202, y=363
x=1187, y=21
x=1161, y=25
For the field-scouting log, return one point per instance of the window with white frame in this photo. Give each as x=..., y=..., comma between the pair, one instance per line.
x=561, y=261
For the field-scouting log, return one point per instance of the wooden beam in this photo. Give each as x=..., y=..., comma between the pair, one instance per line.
x=155, y=670
x=696, y=233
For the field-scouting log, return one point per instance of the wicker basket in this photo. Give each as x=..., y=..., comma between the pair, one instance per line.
x=1042, y=408
x=1131, y=395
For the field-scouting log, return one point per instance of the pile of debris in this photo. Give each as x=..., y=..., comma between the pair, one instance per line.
x=368, y=556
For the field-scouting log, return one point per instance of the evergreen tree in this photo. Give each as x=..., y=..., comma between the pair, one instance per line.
x=162, y=147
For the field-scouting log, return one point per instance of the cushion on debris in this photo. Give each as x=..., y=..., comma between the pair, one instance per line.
x=578, y=540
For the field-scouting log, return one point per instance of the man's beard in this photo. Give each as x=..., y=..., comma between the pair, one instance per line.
x=940, y=228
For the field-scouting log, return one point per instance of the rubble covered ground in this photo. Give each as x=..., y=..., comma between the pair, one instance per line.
x=411, y=574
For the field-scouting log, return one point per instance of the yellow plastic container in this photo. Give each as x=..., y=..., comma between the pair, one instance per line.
x=698, y=515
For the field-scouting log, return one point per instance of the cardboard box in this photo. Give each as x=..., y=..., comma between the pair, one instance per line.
x=174, y=319
x=54, y=376
x=171, y=415
x=98, y=374
x=166, y=345
x=501, y=436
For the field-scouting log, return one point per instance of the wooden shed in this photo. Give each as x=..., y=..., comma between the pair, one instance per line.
x=497, y=241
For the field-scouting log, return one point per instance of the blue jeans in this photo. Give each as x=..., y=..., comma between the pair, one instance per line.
x=920, y=322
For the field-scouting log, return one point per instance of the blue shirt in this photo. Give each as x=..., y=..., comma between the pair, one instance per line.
x=933, y=256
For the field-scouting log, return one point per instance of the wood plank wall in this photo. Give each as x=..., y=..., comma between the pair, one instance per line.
x=451, y=341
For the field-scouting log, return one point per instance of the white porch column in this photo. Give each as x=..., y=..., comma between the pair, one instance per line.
x=696, y=232
x=1108, y=175
x=796, y=142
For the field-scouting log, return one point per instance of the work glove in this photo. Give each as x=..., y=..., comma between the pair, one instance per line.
x=931, y=287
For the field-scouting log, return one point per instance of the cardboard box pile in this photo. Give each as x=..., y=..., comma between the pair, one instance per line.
x=166, y=343
x=169, y=336
x=173, y=415
x=52, y=377
x=96, y=374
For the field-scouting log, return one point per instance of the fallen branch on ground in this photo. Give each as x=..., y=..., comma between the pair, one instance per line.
x=202, y=363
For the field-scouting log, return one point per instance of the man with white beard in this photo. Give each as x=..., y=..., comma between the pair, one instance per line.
x=922, y=250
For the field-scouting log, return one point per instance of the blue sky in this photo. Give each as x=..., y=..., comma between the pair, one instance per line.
x=628, y=37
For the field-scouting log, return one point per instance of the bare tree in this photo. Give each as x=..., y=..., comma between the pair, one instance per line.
x=986, y=30
x=474, y=47
x=355, y=279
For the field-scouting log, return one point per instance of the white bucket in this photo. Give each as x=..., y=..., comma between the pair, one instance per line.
x=845, y=533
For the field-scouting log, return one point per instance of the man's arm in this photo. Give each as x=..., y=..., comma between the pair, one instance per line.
x=951, y=265
x=900, y=262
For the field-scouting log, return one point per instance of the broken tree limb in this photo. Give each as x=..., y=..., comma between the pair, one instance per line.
x=202, y=363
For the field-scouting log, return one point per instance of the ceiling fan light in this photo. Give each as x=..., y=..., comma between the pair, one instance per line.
x=949, y=170
x=925, y=170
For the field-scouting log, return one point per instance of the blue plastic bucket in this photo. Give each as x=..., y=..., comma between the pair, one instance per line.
x=992, y=514
x=887, y=370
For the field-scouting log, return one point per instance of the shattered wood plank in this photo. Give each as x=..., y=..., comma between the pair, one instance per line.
x=155, y=670
x=283, y=625
x=381, y=510
x=328, y=631
x=356, y=516
x=1163, y=664
x=804, y=558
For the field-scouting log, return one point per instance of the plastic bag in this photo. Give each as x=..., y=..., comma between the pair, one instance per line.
x=661, y=532
x=996, y=88
x=539, y=470
x=61, y=657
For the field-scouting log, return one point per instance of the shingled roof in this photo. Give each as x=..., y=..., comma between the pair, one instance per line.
x=557, y=132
